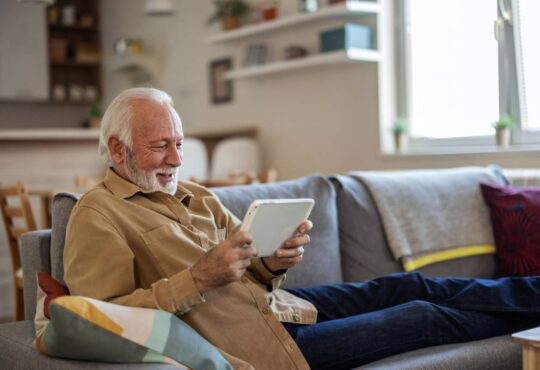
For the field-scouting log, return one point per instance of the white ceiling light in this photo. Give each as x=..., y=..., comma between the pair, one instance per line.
x=159, y=7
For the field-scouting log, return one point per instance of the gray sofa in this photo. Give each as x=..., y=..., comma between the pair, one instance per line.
x=348, y=244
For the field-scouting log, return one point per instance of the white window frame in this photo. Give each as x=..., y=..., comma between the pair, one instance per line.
x=511, y=99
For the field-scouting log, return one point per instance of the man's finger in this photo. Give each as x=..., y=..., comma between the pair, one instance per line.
x=240, y=238
x=288, y=253
x=297, y=241
x=305, y=227
x=248, y=252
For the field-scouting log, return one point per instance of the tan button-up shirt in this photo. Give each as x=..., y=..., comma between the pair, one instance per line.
x=132, y=247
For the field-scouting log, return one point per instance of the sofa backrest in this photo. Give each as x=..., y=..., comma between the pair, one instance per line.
x=321, y=263
x=365, y=253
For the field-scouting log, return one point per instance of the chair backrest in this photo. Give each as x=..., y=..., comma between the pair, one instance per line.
x=195, y=164
x=232, y=156
x=18, y=218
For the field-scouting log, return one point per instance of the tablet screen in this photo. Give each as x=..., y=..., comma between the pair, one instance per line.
x=272, y=221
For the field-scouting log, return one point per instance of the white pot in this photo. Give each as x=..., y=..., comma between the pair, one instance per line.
x=400, y=142
x=502, y=137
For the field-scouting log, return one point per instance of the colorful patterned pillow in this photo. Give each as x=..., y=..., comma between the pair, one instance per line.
x=515, y=215
x=82, y=328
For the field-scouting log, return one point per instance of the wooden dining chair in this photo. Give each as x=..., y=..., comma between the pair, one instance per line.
x=18, y=219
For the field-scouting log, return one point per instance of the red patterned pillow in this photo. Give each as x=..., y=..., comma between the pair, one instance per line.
x=51, y=289
x=515, y=216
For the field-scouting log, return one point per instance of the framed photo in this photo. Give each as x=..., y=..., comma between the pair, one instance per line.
x=255, y=55
x=221, y=90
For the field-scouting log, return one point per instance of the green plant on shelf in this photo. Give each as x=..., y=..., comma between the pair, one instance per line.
x=94, y=111
x=94, y=116
x=229, y=13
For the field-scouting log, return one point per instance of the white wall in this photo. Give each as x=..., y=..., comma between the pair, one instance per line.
x=313, y=120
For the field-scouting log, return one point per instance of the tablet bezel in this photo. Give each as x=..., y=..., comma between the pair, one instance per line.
x=279, y=226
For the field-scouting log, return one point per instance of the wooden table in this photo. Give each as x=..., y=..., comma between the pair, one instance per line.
x=530, y=341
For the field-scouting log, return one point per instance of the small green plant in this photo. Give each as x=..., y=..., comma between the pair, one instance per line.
x=228, y=8
x=400, y=126
x=94, y=111
x=504, y=121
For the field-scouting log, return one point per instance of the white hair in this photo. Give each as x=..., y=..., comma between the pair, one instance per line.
x=117, y=119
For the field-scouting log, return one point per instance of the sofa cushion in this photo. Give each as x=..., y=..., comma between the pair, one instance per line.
x=515, y=214
x=364, y=248
x=63, y=203
x=18, y=353
x=35, y=256
x=498, y=353
x=364, y=251
x=88, y=329
x=321, y=263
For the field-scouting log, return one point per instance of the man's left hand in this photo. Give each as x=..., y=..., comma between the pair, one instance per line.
x=291, y=251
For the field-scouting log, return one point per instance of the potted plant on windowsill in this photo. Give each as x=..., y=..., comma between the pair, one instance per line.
x=503, y=127
x=229, y=13
x=400, y=128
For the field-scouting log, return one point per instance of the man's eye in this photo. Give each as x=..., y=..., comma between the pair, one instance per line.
x=179, y=146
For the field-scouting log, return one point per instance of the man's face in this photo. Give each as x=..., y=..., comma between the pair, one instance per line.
x=153, y=161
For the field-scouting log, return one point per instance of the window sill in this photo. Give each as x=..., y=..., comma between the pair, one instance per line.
x=465, y=151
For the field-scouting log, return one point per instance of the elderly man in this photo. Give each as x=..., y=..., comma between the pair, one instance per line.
x=141, y=239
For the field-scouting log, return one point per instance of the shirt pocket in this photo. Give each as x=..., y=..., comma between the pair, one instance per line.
x=173, y=249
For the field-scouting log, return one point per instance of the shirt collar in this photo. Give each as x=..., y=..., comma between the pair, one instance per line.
x=126, y=189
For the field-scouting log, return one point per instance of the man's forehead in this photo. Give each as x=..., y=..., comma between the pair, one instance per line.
x=154, y=119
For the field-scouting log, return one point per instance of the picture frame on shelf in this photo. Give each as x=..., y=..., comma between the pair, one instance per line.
x=221, y=90
x=255, y=55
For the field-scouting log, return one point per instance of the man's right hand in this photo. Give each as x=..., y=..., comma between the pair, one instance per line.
x=225, y=263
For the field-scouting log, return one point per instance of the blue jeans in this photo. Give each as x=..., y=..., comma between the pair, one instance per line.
x=364, y=321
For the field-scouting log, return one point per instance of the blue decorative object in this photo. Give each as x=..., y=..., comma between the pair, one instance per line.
x=350, y=36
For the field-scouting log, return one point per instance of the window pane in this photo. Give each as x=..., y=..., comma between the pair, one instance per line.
x=529, y=28
x=453, y=81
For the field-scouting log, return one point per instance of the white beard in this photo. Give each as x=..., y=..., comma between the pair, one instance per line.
x=147, y=180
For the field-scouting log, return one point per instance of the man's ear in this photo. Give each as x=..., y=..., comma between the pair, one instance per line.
x=115, y=148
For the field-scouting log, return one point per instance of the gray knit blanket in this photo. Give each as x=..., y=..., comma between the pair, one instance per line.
x=427, y=211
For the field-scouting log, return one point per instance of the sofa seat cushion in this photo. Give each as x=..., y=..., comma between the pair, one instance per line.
x=18, y=353
x=321, y=263
x=498, y=353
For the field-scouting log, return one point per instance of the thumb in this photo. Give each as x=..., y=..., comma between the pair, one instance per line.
x=239, y=238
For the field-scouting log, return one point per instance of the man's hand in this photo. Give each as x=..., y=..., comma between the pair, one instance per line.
x=291, y=252
x=225, y=263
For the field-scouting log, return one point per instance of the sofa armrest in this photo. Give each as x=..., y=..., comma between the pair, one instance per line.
x=35, y=256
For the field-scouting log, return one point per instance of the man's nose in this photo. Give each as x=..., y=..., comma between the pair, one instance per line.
x=174, y=156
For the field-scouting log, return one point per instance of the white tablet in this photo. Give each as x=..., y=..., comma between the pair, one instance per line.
x=272, y=221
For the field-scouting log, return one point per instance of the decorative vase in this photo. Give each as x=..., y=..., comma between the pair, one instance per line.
x=230, y=23
x=400, y=142
x=502, y=137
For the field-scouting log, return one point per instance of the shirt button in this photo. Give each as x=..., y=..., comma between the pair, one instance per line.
x=190, y=228
x=296, y=317
x=266, y=311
